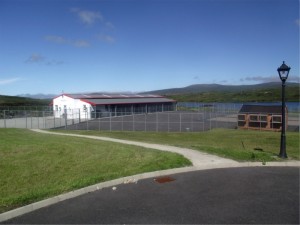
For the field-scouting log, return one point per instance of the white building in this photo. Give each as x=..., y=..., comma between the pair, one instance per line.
x=87, y=106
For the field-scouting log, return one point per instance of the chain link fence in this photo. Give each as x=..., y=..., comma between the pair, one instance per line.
x=187, y=118
x=178, y=121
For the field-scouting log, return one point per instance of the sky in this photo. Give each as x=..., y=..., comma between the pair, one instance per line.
x=74, y=46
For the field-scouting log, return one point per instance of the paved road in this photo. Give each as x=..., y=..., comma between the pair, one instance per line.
x=252, y=195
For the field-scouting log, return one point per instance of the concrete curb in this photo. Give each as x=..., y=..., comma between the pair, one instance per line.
x=208, y=162
x=50, y=201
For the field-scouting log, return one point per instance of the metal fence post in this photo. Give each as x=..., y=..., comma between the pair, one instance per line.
x=156, y=121
x=99, y=118
x=79, y=116
x=87, y=121
x=145, y=121
x=192, y=124
x=210, y=120
x=203, y=121
x=133, y=125
x=66, y=119
x=168, y=122
x=26, y=118
x=180, y=121
x=110, y=121
x=4, y=115
x=31, y=119
x=123, y=121
x=44, y=123
x=53, y=121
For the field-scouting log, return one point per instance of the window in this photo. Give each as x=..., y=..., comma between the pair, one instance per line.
x=242, y=117
x=253, y=118
x=263, y=118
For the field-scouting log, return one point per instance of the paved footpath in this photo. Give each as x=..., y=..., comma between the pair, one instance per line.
x=198, y=159
x=201, y=161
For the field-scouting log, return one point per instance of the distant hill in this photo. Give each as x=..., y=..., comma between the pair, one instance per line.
x=21, y=101
x=37, y=96
x=266, y=92
x=200, y=88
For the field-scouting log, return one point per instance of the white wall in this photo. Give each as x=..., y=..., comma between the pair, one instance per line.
x=75, y=108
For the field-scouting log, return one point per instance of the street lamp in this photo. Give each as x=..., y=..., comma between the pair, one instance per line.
x=283, y=72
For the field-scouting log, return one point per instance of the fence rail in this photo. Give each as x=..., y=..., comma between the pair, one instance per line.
x=176, y=121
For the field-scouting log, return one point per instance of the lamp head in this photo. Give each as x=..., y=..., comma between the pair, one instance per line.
x=283, y=71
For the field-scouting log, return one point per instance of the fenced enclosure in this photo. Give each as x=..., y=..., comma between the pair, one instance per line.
x=178, y=121
x=187, y=118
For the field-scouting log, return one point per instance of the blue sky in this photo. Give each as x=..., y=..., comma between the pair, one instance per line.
x=50, y=46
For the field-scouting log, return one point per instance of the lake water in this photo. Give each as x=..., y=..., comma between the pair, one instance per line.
x=292, y=106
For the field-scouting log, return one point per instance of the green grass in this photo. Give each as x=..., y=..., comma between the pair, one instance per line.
x=234, y=144
x=35, y=166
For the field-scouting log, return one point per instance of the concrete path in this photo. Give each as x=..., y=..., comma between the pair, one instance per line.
x=199, y=159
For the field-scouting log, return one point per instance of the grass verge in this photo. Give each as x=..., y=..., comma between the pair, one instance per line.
x=36, y=166
x=241, y=145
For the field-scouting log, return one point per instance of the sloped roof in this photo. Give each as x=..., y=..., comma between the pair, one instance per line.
x=109, y=99
x=111, y=96
x=256, y=109
x=119, y=101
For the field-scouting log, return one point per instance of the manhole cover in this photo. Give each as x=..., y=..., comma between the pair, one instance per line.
x=164, y=179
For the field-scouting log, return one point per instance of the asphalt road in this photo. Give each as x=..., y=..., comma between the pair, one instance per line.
x=252, y=195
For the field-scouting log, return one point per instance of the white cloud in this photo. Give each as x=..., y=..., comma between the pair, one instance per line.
x=9, y=80
x=81, y=44
x=294, y=79
x=106, y=38
x=86, y=16
x=262, y=79
x=269, y=79
x=39, y=59
x=35, y=58
x=62, y=40
x=109, y=25
x=56, y=39
x=54, y=62
x=297, y=21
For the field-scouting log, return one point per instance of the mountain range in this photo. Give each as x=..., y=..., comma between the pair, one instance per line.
x=37, y=96
x=191, y=89
x=265, y=92
x=201, y=88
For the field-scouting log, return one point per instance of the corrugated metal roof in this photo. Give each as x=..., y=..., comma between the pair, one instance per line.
x=118, y=101
x=109, y=99
x=274, y=109
x=110, y=96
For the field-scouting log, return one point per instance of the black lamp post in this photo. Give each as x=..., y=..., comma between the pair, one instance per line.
x=283, y=72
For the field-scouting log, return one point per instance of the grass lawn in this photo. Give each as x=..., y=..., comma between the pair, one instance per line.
x=241, y=145
x=35, y=166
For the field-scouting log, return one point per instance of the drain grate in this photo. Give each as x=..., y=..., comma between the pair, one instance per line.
x=162, y=180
